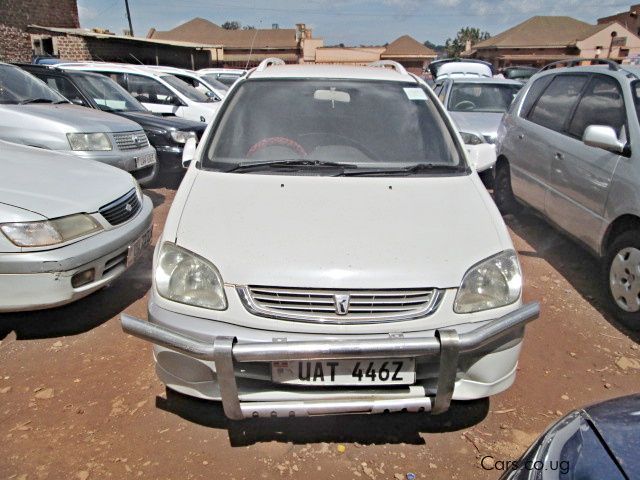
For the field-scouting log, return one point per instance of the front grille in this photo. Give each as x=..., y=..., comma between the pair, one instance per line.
x=322, y=305
x=122, y=209
x=131, y=140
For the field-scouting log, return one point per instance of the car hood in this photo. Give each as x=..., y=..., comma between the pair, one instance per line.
x=149, y=120
x=55, y=184
x=74, y=118
x=618, y=423
x=486, y=124
x=341, y=232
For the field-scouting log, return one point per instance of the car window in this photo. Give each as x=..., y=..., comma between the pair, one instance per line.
x=533, y=94
x=332, y=120
x=64, y=87
x=107, y=94
x=482, y=97
x=149, y=90
x=18, y=86
x=186, y=89
x=601, y=104
x=198, y=85
x=556, y=103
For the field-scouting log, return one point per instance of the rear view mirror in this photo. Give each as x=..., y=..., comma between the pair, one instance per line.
x=332, y=96
x=603, y=136
x=188, y=152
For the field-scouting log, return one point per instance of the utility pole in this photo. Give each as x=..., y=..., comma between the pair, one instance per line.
x=126, y=4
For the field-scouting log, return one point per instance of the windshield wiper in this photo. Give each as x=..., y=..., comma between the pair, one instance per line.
x=38, y=100
x=245, y=166
x=417, y=168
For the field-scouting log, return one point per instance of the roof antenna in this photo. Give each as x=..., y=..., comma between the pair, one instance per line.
x=136, y=58
x=246, y=67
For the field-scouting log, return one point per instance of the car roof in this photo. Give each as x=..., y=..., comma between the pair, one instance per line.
x=331, y=71
x=110, y=67
x=623, y=70
x=503, y=81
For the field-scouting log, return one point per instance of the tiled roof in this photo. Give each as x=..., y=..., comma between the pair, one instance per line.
x=542, y=31
x=407, y=46
x=203, y=31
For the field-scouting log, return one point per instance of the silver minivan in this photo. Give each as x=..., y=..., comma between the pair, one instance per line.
x=33, y=114
x=568, y=148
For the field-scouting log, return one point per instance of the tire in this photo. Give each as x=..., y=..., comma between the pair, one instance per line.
x=621, y=278
x=502, y=192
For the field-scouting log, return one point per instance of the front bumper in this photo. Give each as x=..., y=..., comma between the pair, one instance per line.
x=124, y=159
x=170, y=158
x=446, y=346
x=42, y=279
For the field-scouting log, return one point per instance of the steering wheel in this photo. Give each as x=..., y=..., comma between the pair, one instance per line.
x=349, y=141
x=272, y=141
x=465, y=105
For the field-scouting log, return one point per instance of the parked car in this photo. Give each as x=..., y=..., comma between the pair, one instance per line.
x=67, y=227
x=167, y=134
x=455, y=67
x=205, y=83
x=565, y=148
x=520, y=73
x=600, y=441
x=476, y=106
x=228, y=76
x=159, y=92
x=33, y=114
x=321, y=239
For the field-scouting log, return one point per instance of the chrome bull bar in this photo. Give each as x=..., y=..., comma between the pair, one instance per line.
x=447, y=344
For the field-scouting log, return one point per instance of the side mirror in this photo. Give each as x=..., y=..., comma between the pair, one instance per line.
x=603, y=136
x=188, y=152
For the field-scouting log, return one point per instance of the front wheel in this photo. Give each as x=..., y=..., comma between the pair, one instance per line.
x=502, y=192
x=621, y=272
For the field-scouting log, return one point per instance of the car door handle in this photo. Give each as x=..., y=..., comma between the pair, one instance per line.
x=558, y=156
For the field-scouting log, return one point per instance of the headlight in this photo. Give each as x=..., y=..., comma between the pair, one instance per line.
x=494, y=282
x=471, y=138
x=89, y=141
x=181, y=137
x=183, y=276
x=50, y=232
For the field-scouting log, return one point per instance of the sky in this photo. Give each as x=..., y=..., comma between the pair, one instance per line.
x=352, y=22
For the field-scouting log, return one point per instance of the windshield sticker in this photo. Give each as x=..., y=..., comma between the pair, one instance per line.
x=414, y=93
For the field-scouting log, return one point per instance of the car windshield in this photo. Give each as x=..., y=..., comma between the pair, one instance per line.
x=520, y=73
x=228, y=78
x=108, y=95
x=212, y=80
x=370, y=124
x=18, y=86
x=185, y=89
x=635, y=88
x=482, y=97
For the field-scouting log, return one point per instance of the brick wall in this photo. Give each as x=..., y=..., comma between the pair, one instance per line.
x=15, y=15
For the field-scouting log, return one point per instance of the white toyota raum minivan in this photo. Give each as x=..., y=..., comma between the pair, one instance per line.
x=331, y=251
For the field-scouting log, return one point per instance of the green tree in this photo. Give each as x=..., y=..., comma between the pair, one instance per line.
x=434, y=47
x=231, y=25
x=454, y=47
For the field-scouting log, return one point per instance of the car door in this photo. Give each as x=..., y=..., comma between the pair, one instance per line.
x=581, y=175
x=154, y=95
x=525, y=148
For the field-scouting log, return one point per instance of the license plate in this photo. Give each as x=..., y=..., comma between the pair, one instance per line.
x=145, y=160
x=394, y=371
x=137, y=247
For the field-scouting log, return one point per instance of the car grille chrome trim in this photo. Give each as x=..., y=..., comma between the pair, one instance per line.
x=131, y=140
x=121, y=209
x=320, y=305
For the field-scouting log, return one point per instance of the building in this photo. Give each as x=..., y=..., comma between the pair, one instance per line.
x=76, y=44
x=629, y=19
x=413, y=55
x=16, y=43
x=246, y=48
x=544, y=39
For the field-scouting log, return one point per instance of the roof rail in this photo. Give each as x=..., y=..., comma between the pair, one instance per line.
x=389, y=63
x=268, y=62
x=575, y=62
